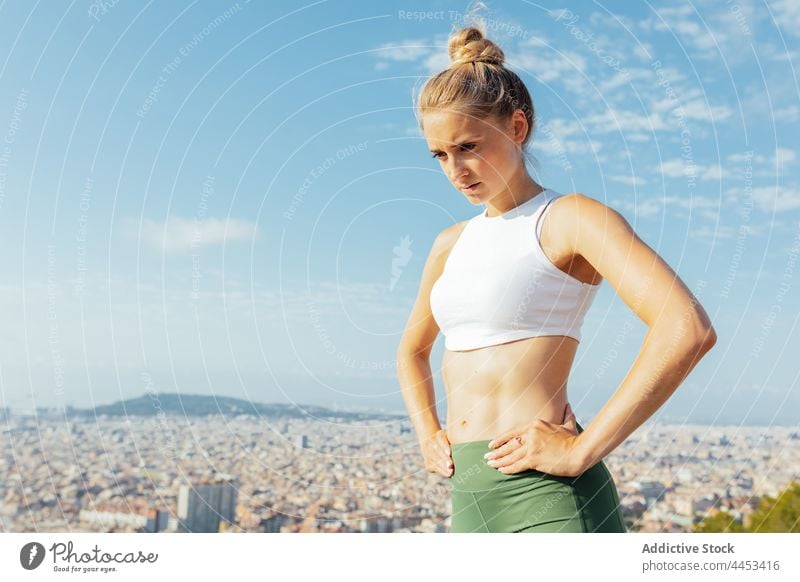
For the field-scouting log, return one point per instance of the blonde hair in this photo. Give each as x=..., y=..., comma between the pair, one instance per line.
x=477, y=83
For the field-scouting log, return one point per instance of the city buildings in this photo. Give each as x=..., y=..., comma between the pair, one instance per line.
x=251, y=474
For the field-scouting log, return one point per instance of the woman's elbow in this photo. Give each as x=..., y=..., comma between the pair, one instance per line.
x=415, y=352
x=708, y=339
x=703, y=336
x=695, y=336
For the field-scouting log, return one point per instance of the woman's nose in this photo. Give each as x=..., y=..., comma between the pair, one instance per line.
x=457, y=170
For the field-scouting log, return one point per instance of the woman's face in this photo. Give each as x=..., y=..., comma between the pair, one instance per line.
x=480, y=157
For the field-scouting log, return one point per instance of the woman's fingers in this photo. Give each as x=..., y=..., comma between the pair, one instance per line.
x=446, y=455
x=447, y=458
x=507, y=460
x=442, y=465
x=510, y=445
x=513, y=468
x=446, y=450
x=445, y=466
x=443, y=443
x=503, y=438
x=438, y=454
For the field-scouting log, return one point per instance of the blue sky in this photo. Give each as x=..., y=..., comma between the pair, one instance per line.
x=234, y=198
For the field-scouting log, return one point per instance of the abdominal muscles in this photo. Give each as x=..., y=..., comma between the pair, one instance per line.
x=498, y=388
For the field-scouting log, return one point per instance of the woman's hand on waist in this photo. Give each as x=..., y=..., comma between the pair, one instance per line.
x=541, y=446
x=437, y=453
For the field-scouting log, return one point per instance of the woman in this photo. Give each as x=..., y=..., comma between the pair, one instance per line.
x=509, y=289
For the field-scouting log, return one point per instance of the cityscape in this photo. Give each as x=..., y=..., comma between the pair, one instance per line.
x=332, y=472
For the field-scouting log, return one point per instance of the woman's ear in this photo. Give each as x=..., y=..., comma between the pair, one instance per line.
x=519, y=126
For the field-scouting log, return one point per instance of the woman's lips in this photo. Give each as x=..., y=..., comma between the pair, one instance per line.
x=471, y=188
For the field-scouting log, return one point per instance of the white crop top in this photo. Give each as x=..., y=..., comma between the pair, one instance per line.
x=497, y=284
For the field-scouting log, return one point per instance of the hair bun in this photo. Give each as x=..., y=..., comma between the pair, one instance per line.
x=468, y=45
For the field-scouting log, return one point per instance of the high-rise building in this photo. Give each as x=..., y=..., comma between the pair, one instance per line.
x=651, y=490
x=273, y=524
x=157, y=520
x=377, y=524
x=202, y=508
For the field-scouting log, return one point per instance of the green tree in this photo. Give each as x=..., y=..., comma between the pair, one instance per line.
x=773, y=515
x=722, y=522
x=778, y=515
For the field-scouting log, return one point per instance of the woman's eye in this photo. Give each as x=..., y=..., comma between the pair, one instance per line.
x=466, y=147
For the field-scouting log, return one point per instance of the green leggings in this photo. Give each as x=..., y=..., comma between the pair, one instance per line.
x=486, y=500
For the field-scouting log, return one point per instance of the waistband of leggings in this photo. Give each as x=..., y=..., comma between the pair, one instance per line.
x=471, y=446
x=473, y=473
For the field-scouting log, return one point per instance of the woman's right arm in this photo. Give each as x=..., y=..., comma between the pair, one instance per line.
x=413, y=361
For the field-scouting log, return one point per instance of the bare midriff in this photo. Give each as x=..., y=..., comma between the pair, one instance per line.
x=498, y=388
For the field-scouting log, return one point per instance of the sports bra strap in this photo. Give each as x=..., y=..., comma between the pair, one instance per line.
x=541, y=214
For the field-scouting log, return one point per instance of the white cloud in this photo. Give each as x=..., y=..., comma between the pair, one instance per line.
x=406, y=50
x=787, y=15
x=431, y=54
x=710, y=30
x=784, y=156
x=738, y=158
x=698, y=205
x=559, y=137
x=643, y=208
x=777, y=197
x=564, y=128
x=616, y=120
x=676, y=168
x=695, y=202
x=712, y=234
x=621, y=78
x=630, y=180
x=679, y=168
x=700, y=109
x=790, y=113
x=343, y=297
x=437, y=61
x=567, y=67
x=183, y=234
x=538, y=40
x=766, y=166
x=712, y=172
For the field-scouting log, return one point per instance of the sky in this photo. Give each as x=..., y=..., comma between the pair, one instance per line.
x=234, y=198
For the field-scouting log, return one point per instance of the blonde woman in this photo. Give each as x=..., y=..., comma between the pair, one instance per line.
x=509, y=289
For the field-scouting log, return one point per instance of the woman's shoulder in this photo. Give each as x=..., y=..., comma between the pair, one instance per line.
x=571, y=220
x=447, y=238
x=567, y=209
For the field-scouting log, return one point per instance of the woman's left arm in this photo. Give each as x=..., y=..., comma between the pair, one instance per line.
x=679, y=335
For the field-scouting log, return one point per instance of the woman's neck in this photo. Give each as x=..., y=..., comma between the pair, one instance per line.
x=520, y=189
